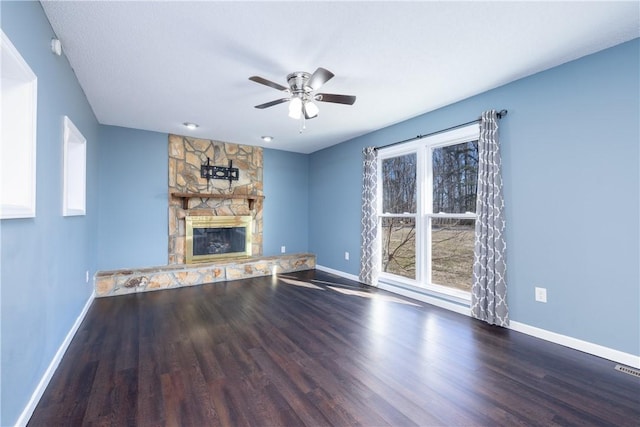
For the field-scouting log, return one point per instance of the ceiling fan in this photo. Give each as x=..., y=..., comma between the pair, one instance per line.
x=302, y=88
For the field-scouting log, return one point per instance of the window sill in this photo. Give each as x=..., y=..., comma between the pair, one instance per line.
x=445, y=293
x=421, y=294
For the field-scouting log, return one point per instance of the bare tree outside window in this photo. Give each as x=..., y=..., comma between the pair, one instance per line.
x=399, y=246
x=399, y=223
x=455, y=183
x=455, y=178
x=399, y=184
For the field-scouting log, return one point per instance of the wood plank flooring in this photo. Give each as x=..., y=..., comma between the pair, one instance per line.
x=313, y=349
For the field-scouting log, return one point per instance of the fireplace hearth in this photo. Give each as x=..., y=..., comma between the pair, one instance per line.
x=210, y=238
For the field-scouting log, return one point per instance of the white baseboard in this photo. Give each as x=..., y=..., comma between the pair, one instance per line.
x=576, y=344
x=44, y=381
x=564, y=340
x=338, y=273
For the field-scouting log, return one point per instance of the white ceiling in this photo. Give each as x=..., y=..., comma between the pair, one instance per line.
x=154, y=65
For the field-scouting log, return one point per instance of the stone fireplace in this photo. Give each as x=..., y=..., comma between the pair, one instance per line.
x=192, y=202
x=191, y=196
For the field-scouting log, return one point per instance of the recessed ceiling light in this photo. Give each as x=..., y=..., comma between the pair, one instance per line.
x=267, y=138
x=190, y=126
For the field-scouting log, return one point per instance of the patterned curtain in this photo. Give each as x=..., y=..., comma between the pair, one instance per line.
x=369, y=260
x=489, y=287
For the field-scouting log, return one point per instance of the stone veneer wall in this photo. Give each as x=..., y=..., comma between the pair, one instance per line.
x=186, y=155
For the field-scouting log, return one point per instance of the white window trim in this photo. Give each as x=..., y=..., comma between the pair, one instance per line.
x=75, y=170
x=18, y=140
x=422, y=148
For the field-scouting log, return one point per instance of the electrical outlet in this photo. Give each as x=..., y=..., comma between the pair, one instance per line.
x=86, y=276
x=541, y=294
x=283, y=249
x=346, y=256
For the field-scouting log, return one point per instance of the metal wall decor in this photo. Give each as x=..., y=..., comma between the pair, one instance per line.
x=209, y=171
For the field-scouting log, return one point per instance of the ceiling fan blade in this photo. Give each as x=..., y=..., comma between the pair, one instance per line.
x=272, y=103
x=338, y=99
x=266, y=82
x=319, y=77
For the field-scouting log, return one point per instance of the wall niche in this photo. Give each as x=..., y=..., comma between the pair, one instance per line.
x=19, y=96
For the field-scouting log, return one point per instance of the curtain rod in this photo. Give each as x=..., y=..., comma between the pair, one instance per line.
x=501, y=114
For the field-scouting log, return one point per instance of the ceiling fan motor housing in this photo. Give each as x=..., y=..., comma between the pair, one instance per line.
x=298, y=82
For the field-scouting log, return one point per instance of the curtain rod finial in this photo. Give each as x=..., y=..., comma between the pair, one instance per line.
x=502, y=113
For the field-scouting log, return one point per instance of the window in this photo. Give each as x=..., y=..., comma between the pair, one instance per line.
x=427, y=221
x=399, y=215
x=454, y=182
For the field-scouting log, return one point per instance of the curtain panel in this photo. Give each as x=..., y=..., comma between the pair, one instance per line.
x=489, y=286
x=369, y=262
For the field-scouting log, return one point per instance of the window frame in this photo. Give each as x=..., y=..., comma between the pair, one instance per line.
x=423, y=148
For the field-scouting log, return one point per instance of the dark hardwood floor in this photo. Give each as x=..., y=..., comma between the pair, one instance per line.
x=313, y=349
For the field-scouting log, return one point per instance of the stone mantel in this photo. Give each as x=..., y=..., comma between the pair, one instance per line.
x=250, y=198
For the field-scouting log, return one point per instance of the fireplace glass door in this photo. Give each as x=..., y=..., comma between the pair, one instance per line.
x=211, y=238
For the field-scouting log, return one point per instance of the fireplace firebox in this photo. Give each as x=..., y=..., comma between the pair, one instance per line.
x=210, y=238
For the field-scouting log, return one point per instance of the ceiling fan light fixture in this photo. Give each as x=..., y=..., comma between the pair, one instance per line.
x=311, y=109
x=295, y=108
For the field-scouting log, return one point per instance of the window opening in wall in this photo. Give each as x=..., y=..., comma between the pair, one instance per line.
x=427, y=222
x=19, y=92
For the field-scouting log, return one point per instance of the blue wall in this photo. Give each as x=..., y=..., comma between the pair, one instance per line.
x=335, y=185
x=44, y=259
x=133, y=192
x=286, y=203
x=571, y=180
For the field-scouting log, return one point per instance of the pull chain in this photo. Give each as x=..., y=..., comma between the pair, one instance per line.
x=303, y=125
